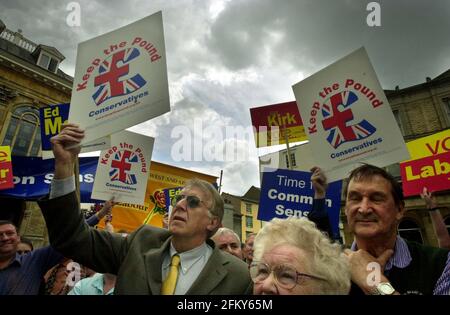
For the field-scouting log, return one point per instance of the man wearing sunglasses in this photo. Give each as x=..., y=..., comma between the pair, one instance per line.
x=180, y=260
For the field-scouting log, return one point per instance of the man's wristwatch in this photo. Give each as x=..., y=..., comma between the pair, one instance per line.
x=384, y=288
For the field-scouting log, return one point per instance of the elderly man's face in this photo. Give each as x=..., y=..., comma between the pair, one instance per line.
x=9, y=239
x=289, y=258
x=189, y=221
x=229, y=243
x=370, y=208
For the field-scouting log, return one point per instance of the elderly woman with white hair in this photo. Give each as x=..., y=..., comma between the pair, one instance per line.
x=292, y=257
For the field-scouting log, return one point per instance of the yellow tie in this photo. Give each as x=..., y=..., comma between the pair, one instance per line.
x=168, y=286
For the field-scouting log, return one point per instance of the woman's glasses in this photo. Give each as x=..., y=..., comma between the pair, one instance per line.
x=285, y=275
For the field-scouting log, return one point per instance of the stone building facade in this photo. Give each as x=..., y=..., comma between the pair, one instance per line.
x=30, y=78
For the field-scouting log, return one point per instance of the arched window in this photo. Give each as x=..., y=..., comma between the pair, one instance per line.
x=447, y=223
x=409, y=230
x=23, y=134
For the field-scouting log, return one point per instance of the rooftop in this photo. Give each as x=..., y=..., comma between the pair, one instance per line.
x=14, y=43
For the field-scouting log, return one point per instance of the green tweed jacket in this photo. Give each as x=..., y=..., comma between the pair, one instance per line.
x=136, y=259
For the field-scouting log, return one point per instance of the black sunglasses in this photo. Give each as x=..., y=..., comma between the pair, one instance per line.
x=192, y=201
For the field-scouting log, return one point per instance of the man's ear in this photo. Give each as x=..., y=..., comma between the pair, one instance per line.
x=214, y=224
x=401, y=211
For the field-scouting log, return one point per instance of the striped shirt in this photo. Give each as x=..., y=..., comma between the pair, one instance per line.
x=402, y=258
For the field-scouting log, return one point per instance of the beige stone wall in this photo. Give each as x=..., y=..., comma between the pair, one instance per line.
x=422, y=111
x=29, y=90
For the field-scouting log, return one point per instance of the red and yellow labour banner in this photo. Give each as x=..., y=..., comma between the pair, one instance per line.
x=6, y=173
x=270, y=123
x=429, y=165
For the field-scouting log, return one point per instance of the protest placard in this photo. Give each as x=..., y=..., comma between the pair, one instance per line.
x=123, y=169
x=6, y=171
x=287, y=193
x=348, y=118
x=283, y=117
x=51, y=119
x=429, y=165
x=120, y=79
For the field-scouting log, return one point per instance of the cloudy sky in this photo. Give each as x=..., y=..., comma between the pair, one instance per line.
x=226, y=56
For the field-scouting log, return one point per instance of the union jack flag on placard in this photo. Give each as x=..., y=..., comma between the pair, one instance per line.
x=113, y=79
x=338, y=116
x=121, y=167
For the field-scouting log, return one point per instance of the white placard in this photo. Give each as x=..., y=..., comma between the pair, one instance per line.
x=123, y=169
x=348, y=118
x=120, y=79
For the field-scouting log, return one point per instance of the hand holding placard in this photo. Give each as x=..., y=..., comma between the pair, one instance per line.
x=65, y=148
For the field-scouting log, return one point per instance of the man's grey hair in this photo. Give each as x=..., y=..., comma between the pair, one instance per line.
x=326, y=259
x=217, y=201
x=226, y=231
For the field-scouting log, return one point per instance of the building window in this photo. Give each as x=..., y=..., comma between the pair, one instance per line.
x=44, y=60
x=48, y=63
x=248, y=208
x=294, y=164
x=409, y=230
x=53, y=65
x=249, y=222
x=446, y=101
x=23, y=134
x=447, y=223
x=399, y=120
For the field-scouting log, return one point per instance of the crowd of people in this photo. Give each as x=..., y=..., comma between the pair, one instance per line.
x=194, y=254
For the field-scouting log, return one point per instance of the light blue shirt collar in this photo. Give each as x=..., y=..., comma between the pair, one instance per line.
x=187, y=259
x=98, y=282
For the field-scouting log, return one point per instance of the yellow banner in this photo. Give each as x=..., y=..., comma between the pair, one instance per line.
x=129, y=217
x=431, y=145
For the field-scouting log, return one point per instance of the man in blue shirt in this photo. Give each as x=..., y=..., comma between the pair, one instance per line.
x=22, y=274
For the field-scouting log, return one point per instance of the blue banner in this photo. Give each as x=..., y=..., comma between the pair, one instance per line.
x=286, y=193
x=51, y=118
x=32, y=178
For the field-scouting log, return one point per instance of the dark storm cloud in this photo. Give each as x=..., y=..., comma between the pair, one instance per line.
x=411, y=43
x=248, y=55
